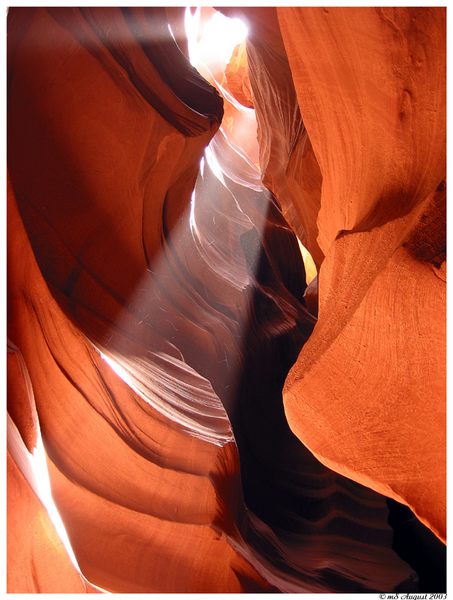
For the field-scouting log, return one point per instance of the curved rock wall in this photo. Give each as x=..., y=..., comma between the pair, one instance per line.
x=375, y=115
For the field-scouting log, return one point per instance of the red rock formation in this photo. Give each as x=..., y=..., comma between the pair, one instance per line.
x=155, y=307
x=375, y=115
x=237, y=76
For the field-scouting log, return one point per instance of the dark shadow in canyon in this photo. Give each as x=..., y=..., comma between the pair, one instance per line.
x=420, y=547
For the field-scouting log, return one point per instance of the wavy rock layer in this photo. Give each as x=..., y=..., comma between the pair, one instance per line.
x=156, y=304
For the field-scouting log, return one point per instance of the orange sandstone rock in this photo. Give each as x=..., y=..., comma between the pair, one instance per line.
x=367, y=393
x=236, y=76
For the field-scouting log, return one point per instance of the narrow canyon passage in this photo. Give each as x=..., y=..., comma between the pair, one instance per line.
x=208, y=427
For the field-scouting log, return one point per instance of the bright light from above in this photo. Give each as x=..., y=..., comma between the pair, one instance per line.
x=211, y=42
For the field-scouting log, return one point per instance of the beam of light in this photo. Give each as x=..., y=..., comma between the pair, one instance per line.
x=149, y=370
x=167, y=383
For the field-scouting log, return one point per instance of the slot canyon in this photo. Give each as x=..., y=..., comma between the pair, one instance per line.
x=226, y=294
